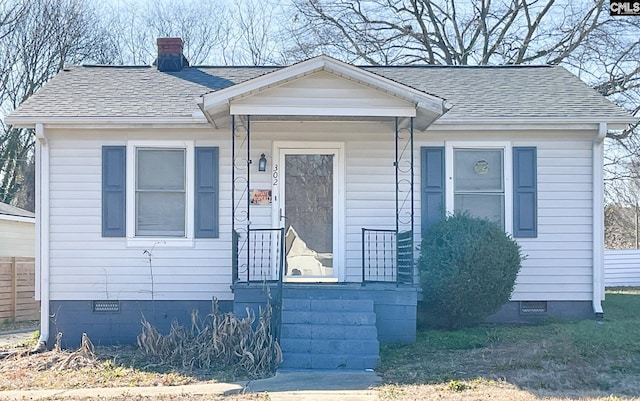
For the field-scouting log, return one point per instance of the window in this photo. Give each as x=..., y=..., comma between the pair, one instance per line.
x=160, y=192
x=489, y=179
x=479, y=183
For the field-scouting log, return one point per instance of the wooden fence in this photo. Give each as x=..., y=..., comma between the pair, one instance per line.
x=17, y=289
x=622, y=268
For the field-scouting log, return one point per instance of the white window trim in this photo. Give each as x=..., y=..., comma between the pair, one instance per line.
x=149, y=242
x=507, y=173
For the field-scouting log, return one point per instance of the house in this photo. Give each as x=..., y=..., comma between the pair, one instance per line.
x=162, y=188
x=17, y=232
x=17, y=267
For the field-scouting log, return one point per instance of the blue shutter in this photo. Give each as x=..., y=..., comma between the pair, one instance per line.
x=433, y=182
x=206, y=192
x=525, y=188
x=113, y=191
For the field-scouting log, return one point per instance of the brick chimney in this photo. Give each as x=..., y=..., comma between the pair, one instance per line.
x=170, y=57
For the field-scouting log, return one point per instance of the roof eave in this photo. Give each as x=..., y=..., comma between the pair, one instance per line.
x=615, y=123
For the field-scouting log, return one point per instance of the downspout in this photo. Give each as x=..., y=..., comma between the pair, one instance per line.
x=42, y=233
x=598, y=220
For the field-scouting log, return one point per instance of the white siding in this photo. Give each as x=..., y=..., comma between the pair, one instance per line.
x=558, y=264
x=85, y=266
x=322, y=93
x=17, y=239
x=622, y=268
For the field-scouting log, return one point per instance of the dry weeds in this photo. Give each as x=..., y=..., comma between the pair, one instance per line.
x=245, y=346
x=86, y=367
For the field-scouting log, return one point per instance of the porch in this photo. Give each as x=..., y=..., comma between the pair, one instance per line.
x=323, y=207
x=319, y=322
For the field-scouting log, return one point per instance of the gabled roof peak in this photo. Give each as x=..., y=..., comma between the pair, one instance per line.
x=425, y=106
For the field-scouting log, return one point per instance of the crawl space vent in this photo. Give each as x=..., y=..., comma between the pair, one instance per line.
x=106, y=306
x=533, y=307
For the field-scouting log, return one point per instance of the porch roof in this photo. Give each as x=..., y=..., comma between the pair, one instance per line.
x=357, y=93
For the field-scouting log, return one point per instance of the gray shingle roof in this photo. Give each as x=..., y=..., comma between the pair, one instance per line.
x=519, y=91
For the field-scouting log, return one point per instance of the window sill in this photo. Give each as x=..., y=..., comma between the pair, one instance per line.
x=147, y=243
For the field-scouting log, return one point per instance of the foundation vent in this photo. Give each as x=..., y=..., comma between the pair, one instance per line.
x=106, y=306
x=529, y=307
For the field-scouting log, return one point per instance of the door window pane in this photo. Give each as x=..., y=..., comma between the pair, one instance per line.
x=160, y=192
x=309, y=212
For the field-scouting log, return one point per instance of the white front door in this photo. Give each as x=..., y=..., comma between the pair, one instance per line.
x=308, y=183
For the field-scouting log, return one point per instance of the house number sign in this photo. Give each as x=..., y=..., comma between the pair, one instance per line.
x=275, y=174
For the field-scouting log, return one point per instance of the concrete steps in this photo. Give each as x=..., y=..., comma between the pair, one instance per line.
x=328, y=333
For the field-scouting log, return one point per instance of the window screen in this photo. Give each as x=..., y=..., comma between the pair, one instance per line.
x=479, y=183
x=160, y=192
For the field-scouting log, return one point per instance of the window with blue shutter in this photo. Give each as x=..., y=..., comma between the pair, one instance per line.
x=206, y=192
x=113, y=191
x=433, y=182
x=525, y=216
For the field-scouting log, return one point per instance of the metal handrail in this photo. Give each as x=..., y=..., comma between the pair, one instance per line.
x=384, y=257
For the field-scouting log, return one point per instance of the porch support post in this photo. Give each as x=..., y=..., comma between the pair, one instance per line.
x=248, y=195
x=404, y=163
x=397, y=164
x=412, y=187
x=234, y=235
x=240, y=201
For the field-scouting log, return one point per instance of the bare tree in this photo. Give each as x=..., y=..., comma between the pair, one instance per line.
x=43, y=37
x=241, y=32
x=580, y=35
x=258, y=35
x=205, y=27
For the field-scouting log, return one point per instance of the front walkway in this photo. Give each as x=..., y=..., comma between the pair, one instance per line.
x=284, y=386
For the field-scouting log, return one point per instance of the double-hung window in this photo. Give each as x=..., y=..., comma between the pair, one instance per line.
x=478, y=183
x=490, y=180
x=160, y=192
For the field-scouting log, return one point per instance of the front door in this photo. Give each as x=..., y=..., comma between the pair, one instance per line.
x=308, y=207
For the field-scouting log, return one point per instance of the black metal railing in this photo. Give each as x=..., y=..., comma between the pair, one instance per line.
x=258, y=255
x=387, y=256
x=379, y=255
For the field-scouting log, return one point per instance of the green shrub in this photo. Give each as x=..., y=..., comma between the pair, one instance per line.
x=468, y=267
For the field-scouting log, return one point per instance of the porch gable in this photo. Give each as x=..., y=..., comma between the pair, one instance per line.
x=323, y=94
x=323, y=86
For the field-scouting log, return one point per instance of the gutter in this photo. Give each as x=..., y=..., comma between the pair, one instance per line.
x=42, y=235
x=598, y=220
x=20, y=219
